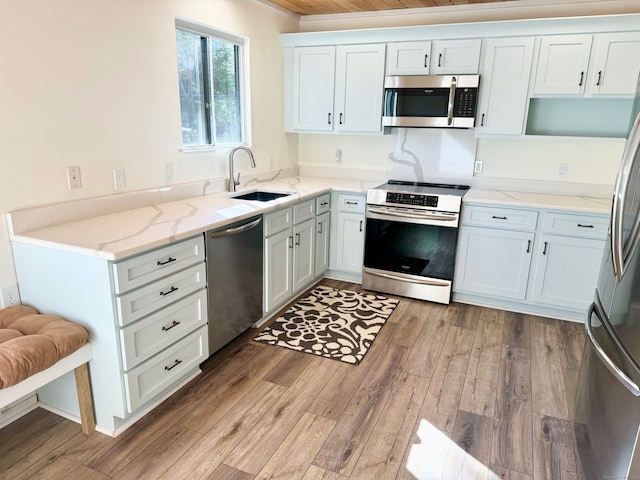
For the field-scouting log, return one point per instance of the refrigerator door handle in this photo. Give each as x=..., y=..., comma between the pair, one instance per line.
x=611, y=366
x=631, y=151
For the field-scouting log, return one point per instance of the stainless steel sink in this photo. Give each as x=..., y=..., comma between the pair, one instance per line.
x=260, y=195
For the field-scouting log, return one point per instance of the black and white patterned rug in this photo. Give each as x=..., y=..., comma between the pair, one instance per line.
x=332, y=323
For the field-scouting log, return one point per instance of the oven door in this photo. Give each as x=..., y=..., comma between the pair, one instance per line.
x=410, y=252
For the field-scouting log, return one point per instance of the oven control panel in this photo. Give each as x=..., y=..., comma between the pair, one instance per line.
x=401, y=198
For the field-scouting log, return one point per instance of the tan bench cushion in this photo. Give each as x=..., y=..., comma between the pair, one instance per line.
x=31, y=342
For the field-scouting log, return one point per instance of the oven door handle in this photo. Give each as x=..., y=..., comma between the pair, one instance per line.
x=433, y=283
x=425, y=216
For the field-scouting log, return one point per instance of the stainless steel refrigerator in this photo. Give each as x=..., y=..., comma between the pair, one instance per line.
x=607, y=413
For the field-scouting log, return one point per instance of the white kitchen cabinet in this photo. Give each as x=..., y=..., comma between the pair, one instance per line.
x=278, y=269
x=323, y=235
x=563, y=64
x=615, y=64
x=455, y=56
x=304, y=265
x=504, y=85
x=349, y=223
x=408, y=58
x=337, y=89
x=525, y=259
x=146, y=316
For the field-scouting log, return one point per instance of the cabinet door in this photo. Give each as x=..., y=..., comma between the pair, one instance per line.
x=504, y=85
x=350, y=242
x=277, y=258
x=408, y=58
x=566, y=271
x=303, y=254
x=616, y=63
x=322, y=243
x=455, y=56
x=359, y=88
x=313, y=88
x=562, y=65
x=493, y=262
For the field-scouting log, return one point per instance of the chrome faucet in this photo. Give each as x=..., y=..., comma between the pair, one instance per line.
x=232, y=181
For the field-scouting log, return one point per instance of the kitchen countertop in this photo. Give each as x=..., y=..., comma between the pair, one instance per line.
x=596, y=205
x=117, y=235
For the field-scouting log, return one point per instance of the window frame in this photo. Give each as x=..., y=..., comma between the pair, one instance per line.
x=243, y=80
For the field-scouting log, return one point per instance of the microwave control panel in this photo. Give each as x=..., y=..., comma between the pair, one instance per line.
x=465, y=102
x=400, y=198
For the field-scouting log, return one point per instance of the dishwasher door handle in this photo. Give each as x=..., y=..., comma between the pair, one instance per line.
x=236, y=230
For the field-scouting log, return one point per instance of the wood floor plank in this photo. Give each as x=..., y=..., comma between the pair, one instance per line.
x=423, y=356
x=572, y=337
x=570, y=386
x=305, y=440
x=316, y=473
x=53, y=468
x=342, y=449
x=464, y=316
x=492, y=315
x=506, y=474
x=20, y=431
x=225, y=472
x=410, y=315
x=443, y=397
x=257, y=447
x=554, y=456
x=547, y=381
x=288, y=369
x=207, y=454
x=516, y=330
x=481, y=383
x=85, y=473
x=512, y=432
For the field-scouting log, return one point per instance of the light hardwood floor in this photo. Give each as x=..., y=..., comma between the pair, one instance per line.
x=451, y=391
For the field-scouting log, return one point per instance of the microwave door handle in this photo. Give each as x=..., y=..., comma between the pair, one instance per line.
x=452, y=95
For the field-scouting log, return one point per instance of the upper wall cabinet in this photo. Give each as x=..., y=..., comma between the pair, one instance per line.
x=337, y=89
x=593, y=65
x=504, y=84
x=440, y=57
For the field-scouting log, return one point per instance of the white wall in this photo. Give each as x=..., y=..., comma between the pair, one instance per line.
x=94, y=84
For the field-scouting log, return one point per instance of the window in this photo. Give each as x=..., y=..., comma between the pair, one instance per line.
x=209, y=78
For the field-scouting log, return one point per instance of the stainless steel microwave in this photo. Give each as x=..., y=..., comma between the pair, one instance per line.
x=447, y=101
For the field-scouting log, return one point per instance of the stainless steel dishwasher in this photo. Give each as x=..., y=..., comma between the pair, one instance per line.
x=234, y=279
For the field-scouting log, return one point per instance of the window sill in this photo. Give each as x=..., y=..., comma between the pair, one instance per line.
x=211, y=149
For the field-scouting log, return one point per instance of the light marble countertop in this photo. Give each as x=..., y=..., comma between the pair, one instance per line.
x=596, y=205
x=114, y=236
x=117, y=235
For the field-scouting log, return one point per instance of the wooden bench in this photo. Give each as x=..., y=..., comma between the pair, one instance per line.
x=37, y=349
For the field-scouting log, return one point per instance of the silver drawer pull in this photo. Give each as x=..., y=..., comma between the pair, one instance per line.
x=174, y=324
x=585, y=226
x=175, y=364
x=323, y=204
x=171, y=259
x=173, y=289
x=498, y=218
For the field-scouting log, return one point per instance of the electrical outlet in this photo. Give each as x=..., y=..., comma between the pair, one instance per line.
x=73, y=178
x=339, y=156
x=563, y=169
x=477, y=167
x=118, y=179
x=10, y=295
x=168, y=170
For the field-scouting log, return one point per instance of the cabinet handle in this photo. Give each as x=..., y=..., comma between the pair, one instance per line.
x=482, y=121
x=440, y=60
x=329, y=118
x=173, y=289
x=176, y=362
x=599, y=78
x=290, y=242
x=360, y=225
x=340, y=118
x=585, y=226
x=173, y=324
x=528, y=246
x=426, y=60
x=168, y=261
x=297, y=239
x=544, y=250
x=581, y=79
x=350, y=203
x=498, y=218
x=324, y=204
x=320, y=228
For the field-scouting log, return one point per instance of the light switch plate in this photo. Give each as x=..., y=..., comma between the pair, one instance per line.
x=477, y=167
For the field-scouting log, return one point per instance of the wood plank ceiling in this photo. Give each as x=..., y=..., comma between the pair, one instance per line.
x=319, y=7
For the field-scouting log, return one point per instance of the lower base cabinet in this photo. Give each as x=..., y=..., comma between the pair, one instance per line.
x=347, y=251
x=323, y=236
x=536, y=260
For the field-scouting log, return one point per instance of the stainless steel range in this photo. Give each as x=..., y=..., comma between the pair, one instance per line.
x=410, y=239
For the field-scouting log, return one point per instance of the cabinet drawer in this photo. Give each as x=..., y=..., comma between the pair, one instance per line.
x=303, y=211
x=580, y=225
x=155, y=375
x=510, y=218
x=351, y=203
x=277, y=221
x=148, y=267
x=145, y=338
x=139, y=303
x=323, y=203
